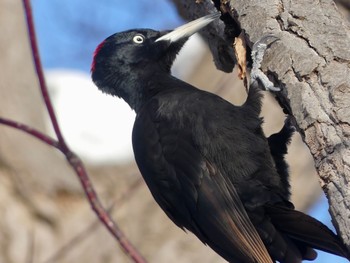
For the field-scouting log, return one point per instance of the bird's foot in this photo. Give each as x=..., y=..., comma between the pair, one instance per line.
x=258, y=52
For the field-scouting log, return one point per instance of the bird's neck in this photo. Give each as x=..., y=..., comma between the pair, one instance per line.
x=147, y=87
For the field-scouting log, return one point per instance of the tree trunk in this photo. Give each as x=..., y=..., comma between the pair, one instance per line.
x=311, y=64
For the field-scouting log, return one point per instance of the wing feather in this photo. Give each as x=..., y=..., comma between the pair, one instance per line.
x=193, y=192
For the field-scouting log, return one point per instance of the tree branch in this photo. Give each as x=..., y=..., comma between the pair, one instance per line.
x=31, y=131
x=40, y=74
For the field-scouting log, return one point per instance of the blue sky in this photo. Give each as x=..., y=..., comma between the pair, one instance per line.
x=69, y=31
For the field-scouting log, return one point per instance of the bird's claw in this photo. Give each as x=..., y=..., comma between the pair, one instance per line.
x=258, y=52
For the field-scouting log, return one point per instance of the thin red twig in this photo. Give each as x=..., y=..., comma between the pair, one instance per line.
x=60, y=144
x=104, y=217
x=25, y=128
x=69, y=246
x=40, y=73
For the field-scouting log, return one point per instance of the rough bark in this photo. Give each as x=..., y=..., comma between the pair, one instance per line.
x=311, y=63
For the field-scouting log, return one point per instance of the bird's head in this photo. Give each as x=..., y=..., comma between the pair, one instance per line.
x=127, y=60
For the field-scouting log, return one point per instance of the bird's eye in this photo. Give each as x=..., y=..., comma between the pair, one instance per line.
x=138, y=39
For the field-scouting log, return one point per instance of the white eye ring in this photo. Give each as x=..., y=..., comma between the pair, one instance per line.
x=138, y=39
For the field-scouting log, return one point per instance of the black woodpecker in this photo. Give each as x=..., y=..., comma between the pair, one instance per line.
x=207, y=162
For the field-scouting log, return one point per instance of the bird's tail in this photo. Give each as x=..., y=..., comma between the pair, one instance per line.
x=306, y=231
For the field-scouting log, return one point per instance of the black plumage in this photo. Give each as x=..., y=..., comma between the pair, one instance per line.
x=278, y=143
x=207, y=162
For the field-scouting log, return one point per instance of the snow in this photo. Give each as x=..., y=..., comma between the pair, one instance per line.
x=96, y=126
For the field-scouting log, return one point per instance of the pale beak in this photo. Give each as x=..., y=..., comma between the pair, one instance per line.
x=189, y=29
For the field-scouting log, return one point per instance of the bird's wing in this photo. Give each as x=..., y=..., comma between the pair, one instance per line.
x=229, y=218
x=193, y=192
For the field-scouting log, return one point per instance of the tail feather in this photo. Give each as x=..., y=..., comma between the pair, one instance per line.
x=305, y=230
